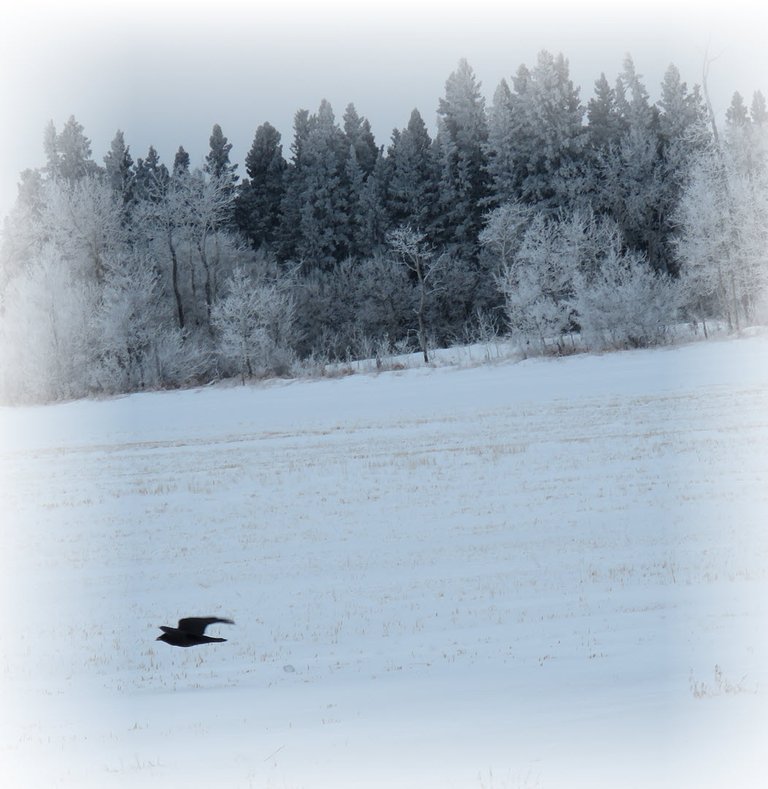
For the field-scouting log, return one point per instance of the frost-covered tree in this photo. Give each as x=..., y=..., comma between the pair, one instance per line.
x=180, y=163
x=358, y=133
x=150, y=176
x=412, y=185
x=254, y=325
x=129, y=320
x=83, y=219
x=538, y=285
x=373, y=221
x=605, y=121
x=631, y=184
x=217, y=163
x=412, y=250
x=501, y=145
x=68, y=152
x=504, y=230
x=257, y=209
x=461, y=148
x=722, y=239
x=319, y=190
x=46, y=331
x=545, y=148
x=119, y=167
x=624, y=303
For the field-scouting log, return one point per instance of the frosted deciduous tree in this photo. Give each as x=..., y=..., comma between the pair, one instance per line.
x=722, y=241
x=625, y=303
x=46, y=332
x=503, y=231
x=254, y=324
x=83, y=219
x=132, y=324
x=537, y=285
x=411, y=249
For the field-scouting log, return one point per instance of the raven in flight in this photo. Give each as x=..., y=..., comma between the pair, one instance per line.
x=190, y=631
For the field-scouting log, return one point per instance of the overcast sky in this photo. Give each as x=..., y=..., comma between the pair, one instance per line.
x=165, y=71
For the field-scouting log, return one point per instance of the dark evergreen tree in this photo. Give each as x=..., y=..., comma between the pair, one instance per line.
x=217, y=162
x=358, y=133
x=737, y=113
x=259, y=198
x=548, y=136
x=501, y=145
x=464, y=183
x=288, y=230
x=632, y=174
x=605, y=124
x=316, y=198
x=150, y=177
x=180, y=162
x=412, y=176
x=68, y=153
x=119, y=168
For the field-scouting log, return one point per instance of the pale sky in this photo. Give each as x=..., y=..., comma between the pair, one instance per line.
x=165, y=71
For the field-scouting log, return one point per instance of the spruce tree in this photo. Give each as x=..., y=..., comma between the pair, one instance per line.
x=412, y=182
x=358, y=133
x=217, y=162
x=501, y=145
x=259, y=198
x=462, y=160
x=119, y=167
x=545, y=153
x=180, y=163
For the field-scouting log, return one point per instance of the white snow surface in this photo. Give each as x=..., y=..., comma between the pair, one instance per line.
x=549, y=573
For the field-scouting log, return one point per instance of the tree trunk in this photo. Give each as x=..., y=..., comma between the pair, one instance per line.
x=175, y=280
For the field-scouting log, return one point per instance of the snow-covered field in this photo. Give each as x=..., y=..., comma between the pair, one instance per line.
x=541, y=574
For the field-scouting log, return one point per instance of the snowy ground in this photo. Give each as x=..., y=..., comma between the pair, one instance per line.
x=541, y=574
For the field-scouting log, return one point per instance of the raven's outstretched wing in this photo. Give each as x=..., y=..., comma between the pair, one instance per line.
x=195, y=625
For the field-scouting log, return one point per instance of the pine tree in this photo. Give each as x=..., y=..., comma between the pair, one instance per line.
x=501, y=145
x=314, y=213
x=259, y=199
x=358, y=133
x=412, y=183
x=75, y=151
x=548, y=136
x=51, y=150
x=605, y=124
x=180, y=162
x=217, y=162
x=68, y=153
x=150, y=177
x=288, y=229
x=737, y=113
x=632, y=182
x=464, y=183
x=119, y=164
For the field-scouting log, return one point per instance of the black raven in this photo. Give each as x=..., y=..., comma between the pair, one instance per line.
x=190, y=631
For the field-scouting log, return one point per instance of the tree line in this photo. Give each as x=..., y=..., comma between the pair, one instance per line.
x=562, y=223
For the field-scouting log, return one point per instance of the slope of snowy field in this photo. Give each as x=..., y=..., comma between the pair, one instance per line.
x=550, y=573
